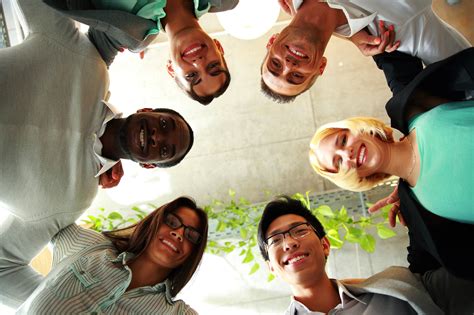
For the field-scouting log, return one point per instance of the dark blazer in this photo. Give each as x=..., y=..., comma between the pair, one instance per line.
x=434, y=241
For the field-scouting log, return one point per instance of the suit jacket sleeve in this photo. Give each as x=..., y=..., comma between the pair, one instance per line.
x=399, y=69
x=435, y=241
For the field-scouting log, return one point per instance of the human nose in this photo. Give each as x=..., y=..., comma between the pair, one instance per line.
x=155, y=137
x=291, y=61
x=197, y=61
x=177, y=234
x=289, y=242
x=348, y=156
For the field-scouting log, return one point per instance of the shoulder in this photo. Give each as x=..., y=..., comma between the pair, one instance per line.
x=222, y=5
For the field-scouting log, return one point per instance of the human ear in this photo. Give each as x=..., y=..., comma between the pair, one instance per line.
x=322, y=65
x=147, y=165
x=270, y=267
x=326, y=246
x=219, y=46
x=169, y=68
x=271, y=40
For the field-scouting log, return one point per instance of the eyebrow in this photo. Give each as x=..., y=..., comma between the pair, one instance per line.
x=172, y=123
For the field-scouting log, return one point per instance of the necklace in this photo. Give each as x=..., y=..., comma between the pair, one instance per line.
x=413, y=160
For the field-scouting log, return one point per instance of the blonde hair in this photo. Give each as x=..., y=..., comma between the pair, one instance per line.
x=348, y=178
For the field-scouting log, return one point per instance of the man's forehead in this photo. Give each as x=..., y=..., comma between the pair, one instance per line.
x=284, y=222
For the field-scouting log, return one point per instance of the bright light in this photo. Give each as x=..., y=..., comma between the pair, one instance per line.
x=139, y=185
x=250, y=19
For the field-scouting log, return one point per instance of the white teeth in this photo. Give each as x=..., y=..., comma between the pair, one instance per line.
x=192, y=50
x=142, y=138
x=360, y=158
x=297, y=53
x=295, y=259
x=170, y=245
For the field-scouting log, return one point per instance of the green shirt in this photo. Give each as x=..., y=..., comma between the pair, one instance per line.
x=445, y=142
x=149, y=9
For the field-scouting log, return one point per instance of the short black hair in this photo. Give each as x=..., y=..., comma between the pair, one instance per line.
x=191, y=139
x=284, y=205
x=205, y=100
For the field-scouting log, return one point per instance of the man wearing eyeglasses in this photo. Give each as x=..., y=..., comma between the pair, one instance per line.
x=293, y=243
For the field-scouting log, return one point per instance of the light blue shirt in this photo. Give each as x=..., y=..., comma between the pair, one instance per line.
x=90, y=277
x=446, y=182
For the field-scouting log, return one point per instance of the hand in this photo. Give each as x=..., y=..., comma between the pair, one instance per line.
x=112, y=177
x=287, y=6
x=394, y=200
x=372, y=45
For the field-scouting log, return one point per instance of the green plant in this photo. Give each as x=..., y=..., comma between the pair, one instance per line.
x=236, y=224
x=107, y=221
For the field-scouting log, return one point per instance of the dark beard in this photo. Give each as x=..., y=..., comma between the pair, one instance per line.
x=123, y=139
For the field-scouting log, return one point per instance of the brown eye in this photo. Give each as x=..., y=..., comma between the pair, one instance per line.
x=190, y=76
x=164, y=152
x=275, y=63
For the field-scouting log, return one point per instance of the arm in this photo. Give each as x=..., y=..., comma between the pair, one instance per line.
x=222, y=5
x=399, y=69
x=36, y=17
x=72, y=239
x=21, y=242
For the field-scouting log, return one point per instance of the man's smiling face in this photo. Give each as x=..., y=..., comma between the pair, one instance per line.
x=297, y=261
x=150, y=137
x=292, y=62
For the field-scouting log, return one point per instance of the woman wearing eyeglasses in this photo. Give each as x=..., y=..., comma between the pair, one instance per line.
x=134, y=270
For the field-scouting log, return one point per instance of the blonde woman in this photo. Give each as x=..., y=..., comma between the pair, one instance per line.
x=433, y=160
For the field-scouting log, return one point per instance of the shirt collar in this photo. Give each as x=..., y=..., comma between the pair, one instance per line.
x=357, y=18
x=111, y=112
x=298, y=308
x=165, y=286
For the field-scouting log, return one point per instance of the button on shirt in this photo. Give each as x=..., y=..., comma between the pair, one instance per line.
x=90, y=277
x=368, y=303
x=420, y=31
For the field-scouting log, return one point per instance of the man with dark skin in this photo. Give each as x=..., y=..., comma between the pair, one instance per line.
x=59, y=135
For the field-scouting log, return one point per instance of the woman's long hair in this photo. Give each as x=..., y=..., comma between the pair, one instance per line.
x=136, y=238
x=349, y=179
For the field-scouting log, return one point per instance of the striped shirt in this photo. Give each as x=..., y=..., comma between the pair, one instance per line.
x=90, y=277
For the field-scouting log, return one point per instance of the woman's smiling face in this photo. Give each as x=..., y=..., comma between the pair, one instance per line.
x=342, y=150
x=170, y=248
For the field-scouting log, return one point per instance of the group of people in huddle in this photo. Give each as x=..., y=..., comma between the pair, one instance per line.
x=61, y=140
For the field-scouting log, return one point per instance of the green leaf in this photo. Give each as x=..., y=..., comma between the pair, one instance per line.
x=231, y=193
x=243, y=233
x=270, y=277
x=325, y=210
x=384, y=232
x=254, y=269
x=242, y=252
x=220, y=226
x=367, y=243
x=115, y=216
x=354, y=235
x=248, y=257
x=334, y=238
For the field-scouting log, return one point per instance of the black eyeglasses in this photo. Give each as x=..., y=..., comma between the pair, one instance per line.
x=190, y=233
x=297, y=232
